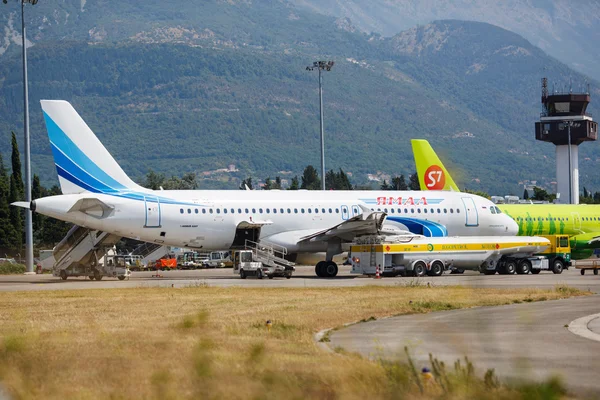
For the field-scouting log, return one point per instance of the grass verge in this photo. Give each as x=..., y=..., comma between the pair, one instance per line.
x=208, y=342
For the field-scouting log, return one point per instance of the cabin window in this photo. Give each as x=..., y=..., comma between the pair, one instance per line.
x=316, y=210
x=309, y=211
x=425, y=210
x=392, y=210
x=233, y=210
x=419, y=210
x=281, y=210
x=330, y=211
x=274, y=211
x=224, y=211
x=260, y=210
x=302, y=210
x=492, y=210
x=432, y=210
x=189, y=211
x=439, y=211
x=196, y=211
x=239, y=210
x=268, y=210
x=445, y=211
x=385, y=210
x=406, y=211
x=254, y=211
x=218, y=211
x=246, y=210
x=458, y=210
x=204, y=211
x=289, y=211
x=295, y=211
x=451, y=210
x=323, y=210
x=337, y=210
x=210, y=211
x=412, y=210
x=181, y=210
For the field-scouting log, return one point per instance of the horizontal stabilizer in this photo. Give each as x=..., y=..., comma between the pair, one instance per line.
x=93, y=207
x=22, y=204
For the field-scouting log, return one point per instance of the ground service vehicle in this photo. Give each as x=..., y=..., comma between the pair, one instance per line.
x=116, y=267
x=250, y=263
x=420, y=255
x=219, y=259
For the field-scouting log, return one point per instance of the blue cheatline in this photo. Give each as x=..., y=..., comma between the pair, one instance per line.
x=421, y=226
x=73, y=165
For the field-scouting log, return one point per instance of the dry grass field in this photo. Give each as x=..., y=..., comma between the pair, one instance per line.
x=208, y=342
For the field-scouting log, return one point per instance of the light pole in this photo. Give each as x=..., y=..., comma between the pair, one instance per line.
x=320, y=66
x=28, y=216
x=569, y=125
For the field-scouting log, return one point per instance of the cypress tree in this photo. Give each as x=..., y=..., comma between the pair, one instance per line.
x=16, y=194
x=6, y=230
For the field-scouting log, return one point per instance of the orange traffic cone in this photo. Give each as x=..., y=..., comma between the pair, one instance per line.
x=377, y=273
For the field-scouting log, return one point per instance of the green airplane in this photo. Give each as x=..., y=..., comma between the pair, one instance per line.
x=581, y=222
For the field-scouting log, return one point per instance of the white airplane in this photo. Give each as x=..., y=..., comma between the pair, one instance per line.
x=97, y=194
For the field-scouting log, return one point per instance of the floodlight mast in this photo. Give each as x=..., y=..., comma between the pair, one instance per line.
x=28, y=214
x=320, y=66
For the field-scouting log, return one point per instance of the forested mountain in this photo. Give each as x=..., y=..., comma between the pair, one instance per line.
x=197, y=87
x=565, y=29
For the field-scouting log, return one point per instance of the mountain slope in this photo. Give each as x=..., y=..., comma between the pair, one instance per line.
x=175, y=98
x=564, y=29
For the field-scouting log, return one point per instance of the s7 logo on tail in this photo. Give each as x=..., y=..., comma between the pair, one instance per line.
x=435, y=178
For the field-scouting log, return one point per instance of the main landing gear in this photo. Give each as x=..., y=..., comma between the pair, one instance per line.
x=326, y=269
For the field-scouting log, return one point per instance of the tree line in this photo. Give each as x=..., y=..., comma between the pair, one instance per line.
x=46, y=231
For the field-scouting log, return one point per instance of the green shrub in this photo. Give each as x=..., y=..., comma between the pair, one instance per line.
x=7, y=268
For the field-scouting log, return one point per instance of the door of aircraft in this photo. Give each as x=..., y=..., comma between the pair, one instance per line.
x=152, y=205
x=355, y=210
x=576, y=221
x=471, y=217
x=344, y=212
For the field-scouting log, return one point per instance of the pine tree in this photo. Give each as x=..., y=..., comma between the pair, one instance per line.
x=16, y=194
x=413, y=182
x=268, y=184
x=310, y=179
x=343, y=181
x=384, y=185
x=6, y=229
x=246, y=182
x=525, y=194
x=331, y=180
x=277, y=184
x=399, y=183
x=295, y=185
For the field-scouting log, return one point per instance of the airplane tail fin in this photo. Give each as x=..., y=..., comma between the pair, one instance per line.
x=432, y=173
x=82, y=162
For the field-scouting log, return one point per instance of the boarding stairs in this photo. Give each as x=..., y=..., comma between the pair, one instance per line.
x=150, y=252
x=82, y=246
x=269, y=254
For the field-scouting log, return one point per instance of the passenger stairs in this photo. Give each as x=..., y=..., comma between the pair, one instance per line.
x=82, y=246
x=269, y=253
x=150, y=252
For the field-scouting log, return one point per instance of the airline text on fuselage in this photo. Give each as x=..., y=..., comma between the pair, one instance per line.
x=409, y=201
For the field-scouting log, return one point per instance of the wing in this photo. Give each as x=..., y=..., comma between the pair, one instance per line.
x=367, y=223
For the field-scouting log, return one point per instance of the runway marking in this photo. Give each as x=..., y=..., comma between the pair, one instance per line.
x=580, y=327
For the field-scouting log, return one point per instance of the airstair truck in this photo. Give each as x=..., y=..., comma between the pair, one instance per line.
x=252, y=262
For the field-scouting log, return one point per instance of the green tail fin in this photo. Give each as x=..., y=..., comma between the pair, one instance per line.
x=432, y=173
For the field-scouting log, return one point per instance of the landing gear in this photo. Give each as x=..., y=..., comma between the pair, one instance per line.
x=63, y=275
x=326, y=269
x=524, y=267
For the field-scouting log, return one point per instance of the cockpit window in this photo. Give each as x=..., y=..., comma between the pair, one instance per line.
x=493, y=210
x=498, y=211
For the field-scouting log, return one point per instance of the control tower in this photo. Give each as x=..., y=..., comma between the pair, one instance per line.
x=565, y=123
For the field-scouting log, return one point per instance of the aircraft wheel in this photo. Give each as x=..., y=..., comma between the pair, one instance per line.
x=63, y=275
x=330, y=270
x=419, y=268
x=97, y=275
x=91, y=277
x=437, y=268
x=583, y=272
x=558, y=266
x=319, y=269
x=524, y=267
x=510, y=267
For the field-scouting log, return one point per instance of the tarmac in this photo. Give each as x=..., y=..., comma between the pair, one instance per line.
x=520, y=341
x=303, y=277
